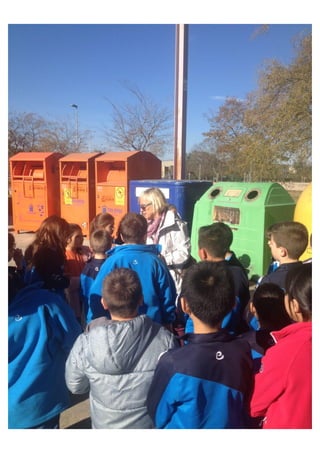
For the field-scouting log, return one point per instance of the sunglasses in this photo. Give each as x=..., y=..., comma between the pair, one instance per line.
x=144, y=206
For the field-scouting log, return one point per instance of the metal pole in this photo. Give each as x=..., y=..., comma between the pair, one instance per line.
x=180, y=112
x=75, y=106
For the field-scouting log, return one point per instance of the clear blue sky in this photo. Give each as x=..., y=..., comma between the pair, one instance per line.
x=53, y=66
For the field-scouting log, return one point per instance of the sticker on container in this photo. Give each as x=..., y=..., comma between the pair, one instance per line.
x=119, y=196
x=67, y=196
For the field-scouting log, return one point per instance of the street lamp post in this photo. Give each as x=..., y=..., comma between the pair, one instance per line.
x=75, y=106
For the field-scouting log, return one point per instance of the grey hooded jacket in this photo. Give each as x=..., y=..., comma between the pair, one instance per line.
x=115, y=361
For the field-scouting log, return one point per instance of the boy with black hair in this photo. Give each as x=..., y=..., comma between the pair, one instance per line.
x=115, y=359
x=213, y=244
x=226, y=238
x=208, y=382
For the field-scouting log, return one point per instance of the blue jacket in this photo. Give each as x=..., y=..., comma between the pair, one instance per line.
x=158, y=287
x=205, y=384
x=42, y=330
x=87, y=277
x=279, y=275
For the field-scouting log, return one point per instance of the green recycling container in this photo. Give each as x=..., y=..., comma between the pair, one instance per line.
x=249, y=208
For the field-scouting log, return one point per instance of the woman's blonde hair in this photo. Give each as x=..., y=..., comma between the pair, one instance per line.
x=156, y=197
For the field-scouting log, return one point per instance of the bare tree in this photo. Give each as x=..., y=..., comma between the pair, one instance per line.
x=30, y=132
x=142, y=125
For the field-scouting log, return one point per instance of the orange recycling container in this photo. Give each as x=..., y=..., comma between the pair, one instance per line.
x=34, y=188
x=114, y=170
x=77, y=189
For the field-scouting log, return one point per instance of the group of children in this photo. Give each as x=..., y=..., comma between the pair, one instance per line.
x=243, y=362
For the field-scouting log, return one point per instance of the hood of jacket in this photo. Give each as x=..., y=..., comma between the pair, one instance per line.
x=151, y=248
x=115, y=347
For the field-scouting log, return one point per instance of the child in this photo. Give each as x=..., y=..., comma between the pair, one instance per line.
x=226, y=236
x=206, y=383
x=42, y=329
x=283, y=388
x=213, y=246
x=103, y=221
x=159, y=291
x=267, y=306
x=115, y=359
x=76, y=258
x=52, y=235
x=287, y=242
x=100, y=243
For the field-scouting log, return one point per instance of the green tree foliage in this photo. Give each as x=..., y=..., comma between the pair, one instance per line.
x=268, y=135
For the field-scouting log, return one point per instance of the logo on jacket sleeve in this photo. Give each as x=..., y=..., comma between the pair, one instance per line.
x=219, y=355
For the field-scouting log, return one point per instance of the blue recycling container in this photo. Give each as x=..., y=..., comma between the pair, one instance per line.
x=183, y=194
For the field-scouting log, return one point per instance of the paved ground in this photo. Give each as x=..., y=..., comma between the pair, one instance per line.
x=78, y=415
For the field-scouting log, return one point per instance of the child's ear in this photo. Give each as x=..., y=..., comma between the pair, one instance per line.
x=104, y=303
x=283, y=252
x=252, y=310
x=184, y=305
x=202, y=254
x=296, y=306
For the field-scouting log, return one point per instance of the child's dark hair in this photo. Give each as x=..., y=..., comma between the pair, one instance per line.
x=122, y=291
x=209, y=291
x=268, y=300
x=133, y=228
x=100, y=241
x=291, y=235
x=299, y=287
x=49, y=266
x=100, y=221
x=215, y=238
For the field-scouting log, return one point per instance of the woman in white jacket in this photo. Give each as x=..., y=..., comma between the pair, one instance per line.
x=165, y=227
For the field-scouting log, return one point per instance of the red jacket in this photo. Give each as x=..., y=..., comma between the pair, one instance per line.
x=283, y=387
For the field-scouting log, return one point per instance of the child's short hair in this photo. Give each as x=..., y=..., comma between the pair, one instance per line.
x=291, y=235
x=215, y=238
x=100, y=241
x=299, y=287
x=208, y=288
x=122, y=292
x=268, y=300
x=133, y=228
